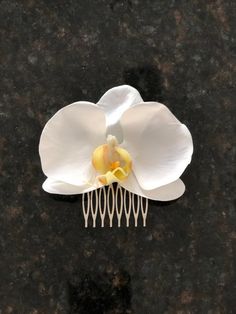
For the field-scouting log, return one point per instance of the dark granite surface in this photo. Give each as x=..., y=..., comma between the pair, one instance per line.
x=179, y=52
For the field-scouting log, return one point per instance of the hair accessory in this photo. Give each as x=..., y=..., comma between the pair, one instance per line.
x=115, y=203
x=118, y=153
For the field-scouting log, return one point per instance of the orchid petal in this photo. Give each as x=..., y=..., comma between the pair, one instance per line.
x=68, y=140
x=60, y=187
x=167, y=192
x=114, y=103
x=160, y=146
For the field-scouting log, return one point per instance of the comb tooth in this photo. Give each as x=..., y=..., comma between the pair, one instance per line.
x=94, y=209
x=144, y=210
x=86, y=210
x=127, y=209
x=102, y=209
x=136, y=209
x=110, y=208
x=119, y=209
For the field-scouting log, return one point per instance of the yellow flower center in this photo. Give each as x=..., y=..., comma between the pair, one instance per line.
x=112, y=162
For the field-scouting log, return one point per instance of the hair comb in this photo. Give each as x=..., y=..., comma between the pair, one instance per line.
x=115, y=203
x=117, y=153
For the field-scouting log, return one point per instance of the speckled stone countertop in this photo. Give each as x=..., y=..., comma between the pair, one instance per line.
x=181, y=53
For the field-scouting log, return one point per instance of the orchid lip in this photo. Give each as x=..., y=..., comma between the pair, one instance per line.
x=112, y=162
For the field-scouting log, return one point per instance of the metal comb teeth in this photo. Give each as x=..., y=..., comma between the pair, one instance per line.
x=114, y=203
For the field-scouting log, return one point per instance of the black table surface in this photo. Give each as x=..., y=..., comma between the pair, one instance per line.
x=181, y=53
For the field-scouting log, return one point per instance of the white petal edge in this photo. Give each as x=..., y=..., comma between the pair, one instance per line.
x=68, y=140
x=114, y=103
x=160, y=146
x=60, y=187
x=164, y=193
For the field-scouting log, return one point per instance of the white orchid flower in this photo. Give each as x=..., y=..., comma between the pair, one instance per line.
x=141, y=145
